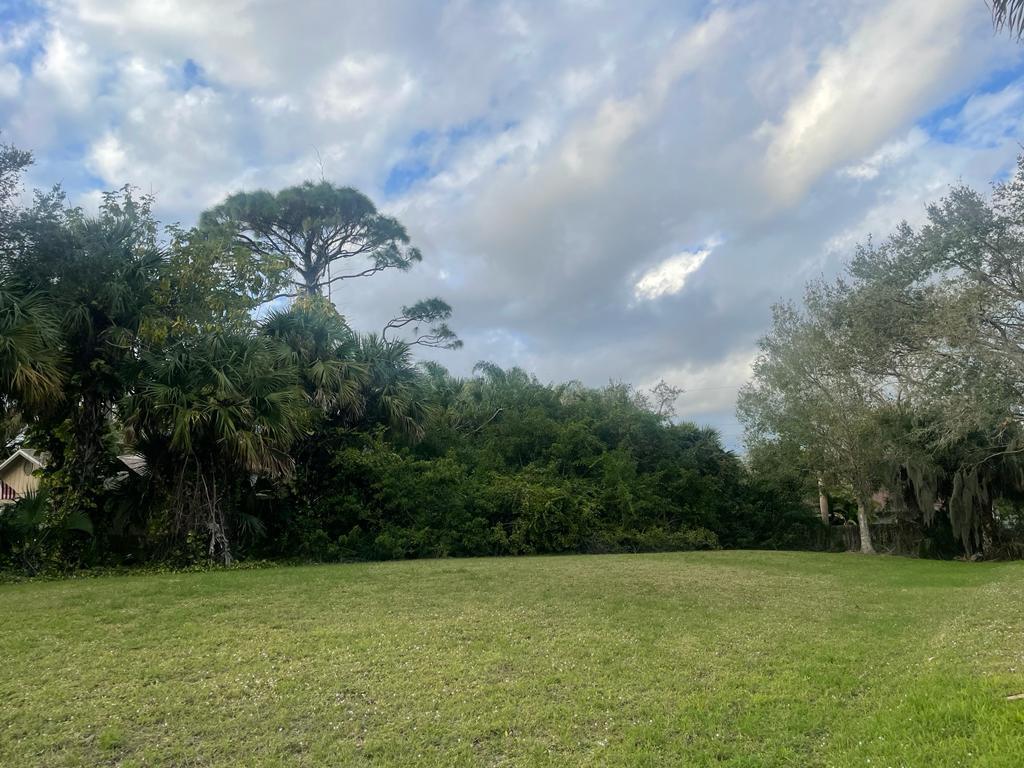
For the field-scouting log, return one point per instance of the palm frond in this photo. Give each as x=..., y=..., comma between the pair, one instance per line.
x=1008, y=15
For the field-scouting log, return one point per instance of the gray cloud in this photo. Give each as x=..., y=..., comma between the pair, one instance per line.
x=553, y=152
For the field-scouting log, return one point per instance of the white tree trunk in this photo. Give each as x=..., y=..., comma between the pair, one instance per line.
x=822, y=502
x=865, y=529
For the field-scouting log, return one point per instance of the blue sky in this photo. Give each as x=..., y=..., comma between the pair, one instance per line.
x=603, y=190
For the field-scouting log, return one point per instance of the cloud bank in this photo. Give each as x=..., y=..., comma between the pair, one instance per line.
x=602, y=190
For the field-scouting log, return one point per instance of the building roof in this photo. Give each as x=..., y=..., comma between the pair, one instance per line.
x=28, y=454
x=135, y=462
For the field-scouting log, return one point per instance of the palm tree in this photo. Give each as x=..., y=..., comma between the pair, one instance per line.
x=1009, y=15
x=97, y=276
x=322, y=348
x=31, y=357
x=213, y=412
x=394, y=392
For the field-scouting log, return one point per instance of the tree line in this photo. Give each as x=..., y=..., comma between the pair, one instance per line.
x=904, y=379
x=258, y=423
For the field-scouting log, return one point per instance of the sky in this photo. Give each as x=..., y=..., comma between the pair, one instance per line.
x=603, y=190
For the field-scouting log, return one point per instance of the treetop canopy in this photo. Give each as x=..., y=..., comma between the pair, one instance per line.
x=311, y=225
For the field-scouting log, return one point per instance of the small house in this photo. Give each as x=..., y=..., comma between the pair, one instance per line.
x=17, y=478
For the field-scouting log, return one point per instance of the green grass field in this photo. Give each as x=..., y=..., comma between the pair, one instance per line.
x=721, y=658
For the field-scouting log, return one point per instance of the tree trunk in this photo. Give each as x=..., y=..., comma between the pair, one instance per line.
x=865, y=530
x=989, y=532
x=823, y=502
x=88, y=440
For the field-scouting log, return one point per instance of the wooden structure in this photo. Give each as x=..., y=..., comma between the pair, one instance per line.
x=17, y=478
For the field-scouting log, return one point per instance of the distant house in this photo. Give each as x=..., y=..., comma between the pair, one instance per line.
x=17, y=478
x=16, y=475
x=133, y=463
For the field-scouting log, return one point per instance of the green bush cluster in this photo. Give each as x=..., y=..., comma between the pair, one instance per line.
x=285, y=433
x=560, y=468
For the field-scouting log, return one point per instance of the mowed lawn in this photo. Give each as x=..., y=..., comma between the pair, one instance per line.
x=719, y=658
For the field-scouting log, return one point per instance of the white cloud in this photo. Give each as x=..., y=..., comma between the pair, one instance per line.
x=357, y=88
x=108, y=160
x=589, y=150
x=69, y=68
x=554, y=151
x=225, y=34
x=988, y=118
x=896, y=62
x=670, y=275
x=10, y=81
x=708, y=388
x=889, y=153
x=904, y=188
x=17, y=38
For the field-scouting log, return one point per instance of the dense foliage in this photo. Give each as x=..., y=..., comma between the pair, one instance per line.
x=904, y=381
x=183, y=418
